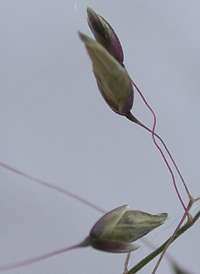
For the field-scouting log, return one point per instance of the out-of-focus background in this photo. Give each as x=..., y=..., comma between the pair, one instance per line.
x=55, y=126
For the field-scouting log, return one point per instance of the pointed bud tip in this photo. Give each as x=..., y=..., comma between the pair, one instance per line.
x=90, y=11
x=82, y=36
x=105, y=34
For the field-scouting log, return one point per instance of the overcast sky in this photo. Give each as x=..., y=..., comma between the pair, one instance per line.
x=55, y=126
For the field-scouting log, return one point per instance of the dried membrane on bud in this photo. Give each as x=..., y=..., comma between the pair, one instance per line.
x=106, y=54
x=117, y=229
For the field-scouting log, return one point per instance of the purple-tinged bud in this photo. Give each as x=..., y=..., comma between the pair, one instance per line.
x=112, y=79
x=114, y=233
x=117, y=229
x=105, y=35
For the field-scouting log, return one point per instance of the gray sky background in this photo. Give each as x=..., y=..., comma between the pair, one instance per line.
x=55, y=126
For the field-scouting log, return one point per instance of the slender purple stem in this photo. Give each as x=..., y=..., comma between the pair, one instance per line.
x=74, y=196
x=132, y=118
x=85, y=243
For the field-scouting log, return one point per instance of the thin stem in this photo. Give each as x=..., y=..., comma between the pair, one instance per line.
x=163, y=143
x=174, y=234
x=129, y=116
x=62, y=190
x=126, y=263
x=155, y=253
x=135, y=120
x=191, y=200
x=85, y=243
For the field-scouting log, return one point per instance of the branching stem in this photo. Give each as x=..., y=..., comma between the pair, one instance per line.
x=191, y=199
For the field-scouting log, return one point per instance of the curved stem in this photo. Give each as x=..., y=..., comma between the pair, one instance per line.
x=133, y=119
x=191, y=200
x=163, y=143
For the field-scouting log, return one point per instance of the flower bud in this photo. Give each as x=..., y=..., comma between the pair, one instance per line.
x=114, y=232
x=117, y=229
x=112, y=78
x=105, y=35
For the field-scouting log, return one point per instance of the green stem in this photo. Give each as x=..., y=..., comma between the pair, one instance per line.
x=155, y=253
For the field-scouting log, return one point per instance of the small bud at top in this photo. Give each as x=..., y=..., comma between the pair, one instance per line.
x=105, y=35
x=106, y=54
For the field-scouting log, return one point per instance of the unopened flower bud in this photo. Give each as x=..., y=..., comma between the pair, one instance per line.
x=112, y=79
x=117, y=229
x=114, y=233
x=105, y=35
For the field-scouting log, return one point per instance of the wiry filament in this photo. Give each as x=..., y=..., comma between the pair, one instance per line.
x=62, y=190
x=132, y=118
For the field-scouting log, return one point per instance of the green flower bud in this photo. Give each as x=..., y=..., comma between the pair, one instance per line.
x=117, y=229
x=112, y=79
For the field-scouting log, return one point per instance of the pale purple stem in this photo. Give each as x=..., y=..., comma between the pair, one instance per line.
x=166, y=148
x=132, y=118
x=85, y=243
x=74, y=196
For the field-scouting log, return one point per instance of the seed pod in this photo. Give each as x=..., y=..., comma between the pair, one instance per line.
x=117, y=229
x=112, y=79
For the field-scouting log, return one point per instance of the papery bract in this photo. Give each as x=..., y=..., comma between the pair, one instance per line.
x=112, y=79
x=117, y=229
